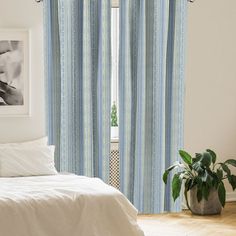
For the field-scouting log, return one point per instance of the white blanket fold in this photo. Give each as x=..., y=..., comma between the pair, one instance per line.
x=64, y=205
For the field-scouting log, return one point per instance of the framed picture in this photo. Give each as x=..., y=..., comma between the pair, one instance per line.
x=14, y=73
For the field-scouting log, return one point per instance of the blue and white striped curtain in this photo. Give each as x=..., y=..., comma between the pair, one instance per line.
x=78, y=65
x=151, y=87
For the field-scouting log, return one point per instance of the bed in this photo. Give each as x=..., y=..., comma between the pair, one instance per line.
x=36, y=200
x=64, y=205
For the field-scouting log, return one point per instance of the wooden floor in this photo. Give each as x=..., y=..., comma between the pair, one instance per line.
x=186, y=224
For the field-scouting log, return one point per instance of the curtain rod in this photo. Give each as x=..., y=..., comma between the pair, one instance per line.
x=38, y=1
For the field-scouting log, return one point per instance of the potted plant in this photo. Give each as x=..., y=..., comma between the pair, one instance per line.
x=203, y=178
x=114, y=123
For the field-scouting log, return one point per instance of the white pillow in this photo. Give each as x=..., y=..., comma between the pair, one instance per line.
x=27, y=161
x=38, y=142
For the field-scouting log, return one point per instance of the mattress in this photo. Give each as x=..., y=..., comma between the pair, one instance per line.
x=64, y=205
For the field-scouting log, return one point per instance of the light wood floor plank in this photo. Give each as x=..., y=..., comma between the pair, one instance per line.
x=186, y=224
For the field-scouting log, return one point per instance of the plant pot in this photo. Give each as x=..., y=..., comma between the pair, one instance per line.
x=114, y=132
x=204, y=207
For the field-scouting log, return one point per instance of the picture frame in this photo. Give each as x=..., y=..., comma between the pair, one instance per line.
x=14, y=73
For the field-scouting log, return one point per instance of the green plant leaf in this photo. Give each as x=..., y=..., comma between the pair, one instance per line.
x=188, y=184
x=197, y=158
x=198, y=155
x=165, y=176
x=231, y=162
x=221, y=193
x=205, y=191
x=206, y=159
x=204, y=176
x=186, y=198
x=198, y=181
x=176, y=186
x=215, y=180
x=226, y=168
x=198, y=168
x=176, y=164
x=207, y=178
x=219, y=174
x=199, y=194
x=232, y=181
x=213, y=155
x=166, y=173
x=185, y=157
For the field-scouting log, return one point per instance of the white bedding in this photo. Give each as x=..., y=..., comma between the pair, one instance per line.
x=64, y=205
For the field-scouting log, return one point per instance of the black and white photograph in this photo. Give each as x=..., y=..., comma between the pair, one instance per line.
x=11, y=76
x=14, y=72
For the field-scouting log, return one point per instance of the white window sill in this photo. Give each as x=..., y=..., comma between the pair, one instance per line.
x=114, y=140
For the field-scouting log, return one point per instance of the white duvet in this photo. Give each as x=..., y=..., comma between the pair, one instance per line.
x=64, y=205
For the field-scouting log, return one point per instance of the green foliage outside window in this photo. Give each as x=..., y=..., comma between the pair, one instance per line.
x=114, y=119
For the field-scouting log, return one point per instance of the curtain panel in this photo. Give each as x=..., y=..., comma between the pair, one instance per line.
x=78, y=77
x=151, y=87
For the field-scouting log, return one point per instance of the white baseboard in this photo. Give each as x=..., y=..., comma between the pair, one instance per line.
x=231, y=197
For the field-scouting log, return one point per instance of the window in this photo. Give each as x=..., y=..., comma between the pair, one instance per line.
x=115, y=54
x=115, y=64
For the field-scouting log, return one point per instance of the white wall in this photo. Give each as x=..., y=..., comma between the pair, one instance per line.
x=26, y=14
x=210, y=104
